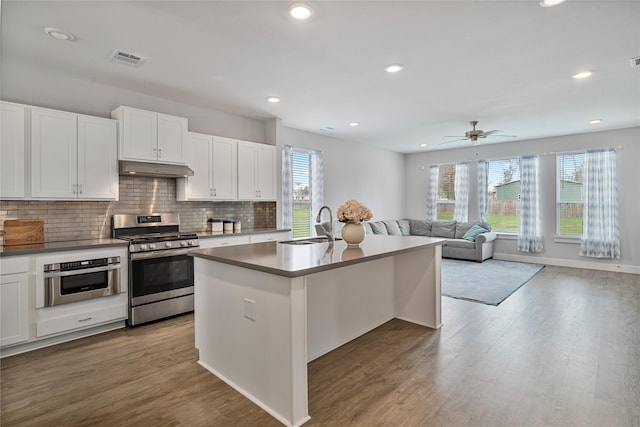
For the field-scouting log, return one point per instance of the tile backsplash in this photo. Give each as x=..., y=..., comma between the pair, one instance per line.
x=92, y=220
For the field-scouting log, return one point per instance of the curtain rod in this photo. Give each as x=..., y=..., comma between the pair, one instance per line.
x=551, y=153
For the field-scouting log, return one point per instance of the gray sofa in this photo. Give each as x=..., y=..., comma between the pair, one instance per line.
x=477, y=249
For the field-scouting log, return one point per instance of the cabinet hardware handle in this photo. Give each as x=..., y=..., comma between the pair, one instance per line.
x=159, y=153
x=86, y=319
x=80, y=189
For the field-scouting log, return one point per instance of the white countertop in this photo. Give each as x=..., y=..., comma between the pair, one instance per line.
x=300, y=260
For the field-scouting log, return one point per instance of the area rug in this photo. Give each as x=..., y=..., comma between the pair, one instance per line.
x=490, y=282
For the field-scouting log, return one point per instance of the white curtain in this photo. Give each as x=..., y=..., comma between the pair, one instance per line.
x=600, y=233
x=482, y=189
x=530, y=237
x=287, y=188
x=461, y=192
x=317, y=182
x=432, y=193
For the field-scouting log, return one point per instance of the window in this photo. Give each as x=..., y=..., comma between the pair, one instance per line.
x=446, y=192
x=301, y=183
x=503, y=188
x=569, y=194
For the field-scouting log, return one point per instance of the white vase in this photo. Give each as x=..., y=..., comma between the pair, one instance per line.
x=353, y=234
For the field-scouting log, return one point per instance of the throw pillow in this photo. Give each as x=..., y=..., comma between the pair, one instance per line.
x=367, y=228
x=378, y=228
x=405, y=228
x=393, y=229
x=473, y=233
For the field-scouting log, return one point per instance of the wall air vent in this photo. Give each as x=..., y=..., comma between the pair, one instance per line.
x=127, y=58
x=635, y=62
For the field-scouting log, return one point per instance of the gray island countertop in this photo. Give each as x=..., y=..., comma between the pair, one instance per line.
x=300, y=260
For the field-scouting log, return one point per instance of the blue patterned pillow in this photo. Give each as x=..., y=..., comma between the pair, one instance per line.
x=473, y=233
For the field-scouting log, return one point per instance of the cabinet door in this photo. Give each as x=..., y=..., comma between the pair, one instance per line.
x=12, y=143
x=97, y=158
x=199, y=186
x=139, y=134
x=54, y=156
x=225, y=169
x=247, y=171
x=14, y=309
x=172, y=139
x=266, y=172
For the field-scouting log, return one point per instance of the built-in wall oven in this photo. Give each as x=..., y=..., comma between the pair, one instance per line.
x=160, y=271
x=73, y=281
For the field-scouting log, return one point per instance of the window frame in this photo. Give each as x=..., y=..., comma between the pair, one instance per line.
x=488, y=215
x=295, y=232
x=446, y=202
x=559, y=179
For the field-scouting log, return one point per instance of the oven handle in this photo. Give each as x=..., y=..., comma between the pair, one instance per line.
x=160, y=254
x=81, y=271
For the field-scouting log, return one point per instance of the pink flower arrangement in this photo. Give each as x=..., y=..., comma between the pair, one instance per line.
x=353, y=211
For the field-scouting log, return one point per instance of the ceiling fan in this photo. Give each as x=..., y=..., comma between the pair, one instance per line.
x=474, y=134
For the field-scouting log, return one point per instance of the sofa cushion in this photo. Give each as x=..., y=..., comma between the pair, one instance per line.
x=461, y=243
x=405, y=228
x=367, y=228
x=393, y=229
x=378, y=227
x=419, y=227
x=473, y=233
x=463, y=227
x=446, y=229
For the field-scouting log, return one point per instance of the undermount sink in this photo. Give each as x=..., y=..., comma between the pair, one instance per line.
x=307, y=241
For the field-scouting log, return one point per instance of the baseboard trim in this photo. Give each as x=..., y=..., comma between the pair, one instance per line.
x=622, y=268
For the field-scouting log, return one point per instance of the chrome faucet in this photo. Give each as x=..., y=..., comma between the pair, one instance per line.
x=328, y=233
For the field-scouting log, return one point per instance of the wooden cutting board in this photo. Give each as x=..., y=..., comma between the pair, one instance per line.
x=23, y=232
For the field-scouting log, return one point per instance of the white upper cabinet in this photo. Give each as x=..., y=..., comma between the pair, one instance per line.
x=151, y=137
x=225, y=168
x=213, y=160
x=73, y=156
x=256, y=171
x=12, y=143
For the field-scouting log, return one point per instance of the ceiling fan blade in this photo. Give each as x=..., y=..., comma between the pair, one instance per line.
x=454, y=136
x=491, y=132
x=507, y=136
x=453, y=140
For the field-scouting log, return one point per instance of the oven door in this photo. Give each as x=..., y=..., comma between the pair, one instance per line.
x=160, y=275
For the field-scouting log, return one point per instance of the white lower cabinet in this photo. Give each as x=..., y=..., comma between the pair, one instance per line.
x=70, y=317
x=216, y=242
x=14, y=301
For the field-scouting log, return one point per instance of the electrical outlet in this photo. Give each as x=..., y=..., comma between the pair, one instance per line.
x=250, y=309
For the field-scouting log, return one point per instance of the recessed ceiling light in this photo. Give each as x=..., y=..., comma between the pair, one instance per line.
x=354, y=124
x=423, y=145
x=59, y=34
x=300, y=11
x=549, y=3
x=582, y=75
x=273, y=99
x=595, y=121
x=393, y=68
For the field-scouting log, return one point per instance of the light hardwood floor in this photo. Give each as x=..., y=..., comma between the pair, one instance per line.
x=564, y=350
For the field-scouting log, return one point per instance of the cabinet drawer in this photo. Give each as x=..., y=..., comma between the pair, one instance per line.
x=13, y=265
x=80, y=320
x=269, y=237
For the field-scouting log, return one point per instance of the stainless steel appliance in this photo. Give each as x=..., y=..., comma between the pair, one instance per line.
x=73, y=281
x=160, y=271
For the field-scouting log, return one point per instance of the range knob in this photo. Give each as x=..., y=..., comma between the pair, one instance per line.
x=144, y=247
x=167, y=245
x=191, y=243
x=184, y=243
x=152, y=246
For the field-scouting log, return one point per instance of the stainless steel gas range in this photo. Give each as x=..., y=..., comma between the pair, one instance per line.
x=160, y=271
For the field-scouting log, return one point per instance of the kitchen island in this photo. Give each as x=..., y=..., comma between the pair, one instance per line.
x=264, y=310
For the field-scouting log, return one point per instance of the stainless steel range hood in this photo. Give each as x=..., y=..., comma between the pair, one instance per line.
x=154, y=169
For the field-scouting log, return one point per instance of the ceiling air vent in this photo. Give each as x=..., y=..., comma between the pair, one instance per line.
x=635, y=62
x=123, y=57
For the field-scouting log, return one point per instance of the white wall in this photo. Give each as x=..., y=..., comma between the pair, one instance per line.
x=555, y=252
x=355, y=171
x=45, y=88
